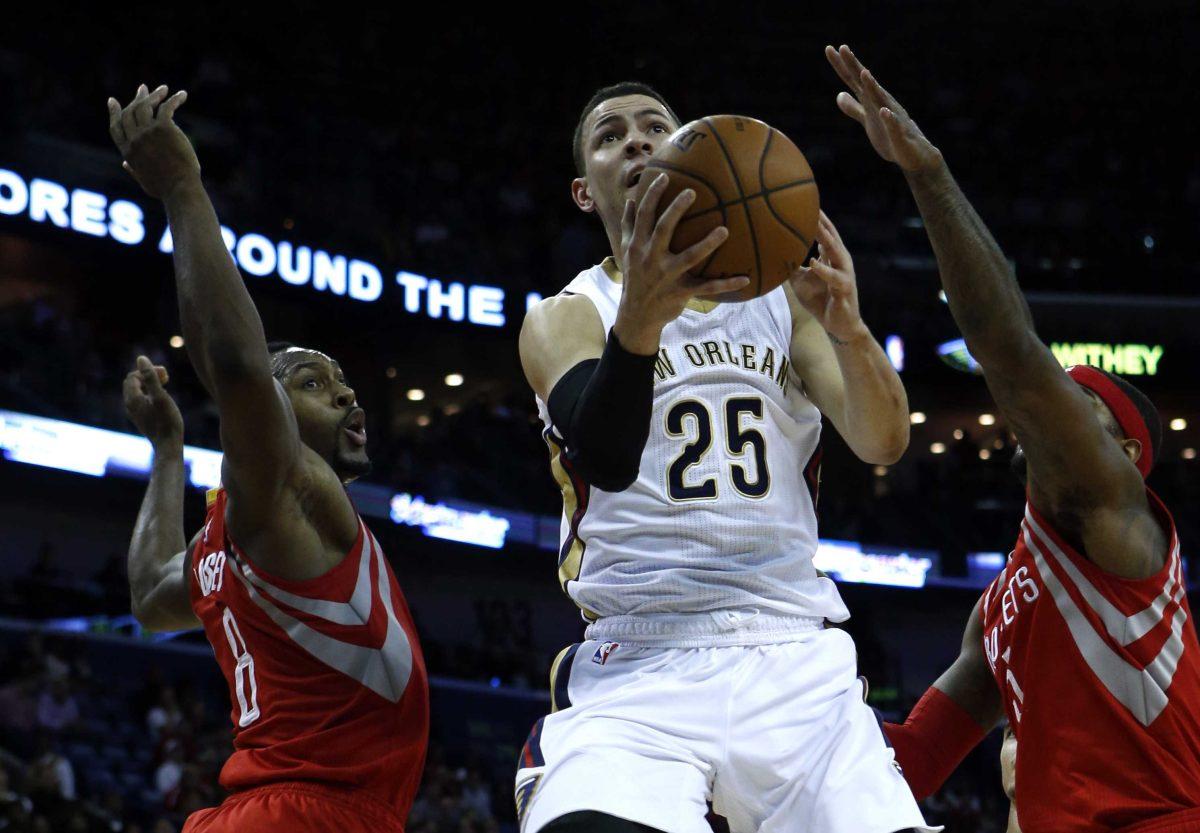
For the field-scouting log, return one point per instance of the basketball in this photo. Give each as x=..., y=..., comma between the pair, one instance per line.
x=751, y=178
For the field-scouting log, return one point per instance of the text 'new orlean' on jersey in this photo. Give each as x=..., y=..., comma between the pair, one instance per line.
x=722, y=514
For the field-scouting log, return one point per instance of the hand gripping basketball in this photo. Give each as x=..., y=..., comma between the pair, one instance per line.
x=657, y=283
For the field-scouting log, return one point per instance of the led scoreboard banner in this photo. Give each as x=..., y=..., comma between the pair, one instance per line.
x=1123, y=359
x=95, y=214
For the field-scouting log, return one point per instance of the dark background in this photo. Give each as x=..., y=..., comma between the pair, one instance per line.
x=438, y=141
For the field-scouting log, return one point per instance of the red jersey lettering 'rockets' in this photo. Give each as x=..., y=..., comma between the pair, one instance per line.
x=1101, y=681
x=325, y=676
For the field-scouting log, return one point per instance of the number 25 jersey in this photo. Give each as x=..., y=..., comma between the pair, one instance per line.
x=722, y=514
x=326, y=677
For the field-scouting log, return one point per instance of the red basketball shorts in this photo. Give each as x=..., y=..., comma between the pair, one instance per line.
x=297, y=807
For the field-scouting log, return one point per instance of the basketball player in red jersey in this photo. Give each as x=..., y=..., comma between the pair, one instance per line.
x=308, y=624
x=1086, y=639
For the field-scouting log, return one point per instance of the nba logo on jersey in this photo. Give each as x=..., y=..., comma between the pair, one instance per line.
x=602, y=653
x=211, y=572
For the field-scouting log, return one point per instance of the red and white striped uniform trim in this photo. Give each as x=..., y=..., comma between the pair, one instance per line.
x=1110, y=641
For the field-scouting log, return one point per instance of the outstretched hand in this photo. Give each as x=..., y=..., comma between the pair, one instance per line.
x=892, y=132
x=156, y=151
x=148, y=404
x=827, y=288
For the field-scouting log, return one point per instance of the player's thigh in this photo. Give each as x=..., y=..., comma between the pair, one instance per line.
x=628, y=782
x=809, y=755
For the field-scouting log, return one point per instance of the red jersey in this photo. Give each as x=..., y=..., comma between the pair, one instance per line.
x=325, y=675
x=1100, y=677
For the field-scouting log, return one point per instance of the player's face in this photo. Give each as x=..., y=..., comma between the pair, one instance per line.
x=1131, y=448
x=618, y=138
x=327, y=413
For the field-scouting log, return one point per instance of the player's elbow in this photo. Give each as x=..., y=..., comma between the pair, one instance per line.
x=884, y=448
x=147, y=615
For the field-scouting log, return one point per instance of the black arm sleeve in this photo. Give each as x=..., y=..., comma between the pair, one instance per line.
x=602, y=409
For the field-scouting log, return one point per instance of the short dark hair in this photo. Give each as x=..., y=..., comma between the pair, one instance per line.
x=1145, y=408
x=604, y=94
x=274, y=347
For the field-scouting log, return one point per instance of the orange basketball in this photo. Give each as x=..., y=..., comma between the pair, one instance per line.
x=751, y=178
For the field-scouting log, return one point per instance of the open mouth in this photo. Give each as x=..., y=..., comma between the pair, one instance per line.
x=634, y=176
x=356, y=427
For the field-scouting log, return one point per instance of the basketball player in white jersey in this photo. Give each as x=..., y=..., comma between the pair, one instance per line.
x=685, y=436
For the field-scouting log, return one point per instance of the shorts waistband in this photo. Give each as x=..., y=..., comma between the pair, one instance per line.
x=703, y=630
x=356, y=799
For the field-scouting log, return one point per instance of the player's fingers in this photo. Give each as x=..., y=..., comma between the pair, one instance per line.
x=151, y=378
x=163, y=375
x=850, y=106
x=896, y=126
x=824, y=221
x=697, y=253
x=849, y=78
x=643, y=224
x=168, y=108
x=114, y=121
x=853, y=65
x=829, y=249
x=144, y=113
x=820, y=268
x=664, y=229
x=128, y=119
x=871, y=95
x=879, y=94
x=132, y=386
x=719, y=286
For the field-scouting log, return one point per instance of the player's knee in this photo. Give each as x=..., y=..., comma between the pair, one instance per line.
x=590, y=821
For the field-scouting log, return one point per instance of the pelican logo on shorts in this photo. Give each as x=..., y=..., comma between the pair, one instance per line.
x=603, y=652
x=211, y=572
x=687, y=137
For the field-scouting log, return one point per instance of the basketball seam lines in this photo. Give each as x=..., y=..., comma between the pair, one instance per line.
x=671, y=167
x=766, y=192
x=762, y=164
x=742, y=194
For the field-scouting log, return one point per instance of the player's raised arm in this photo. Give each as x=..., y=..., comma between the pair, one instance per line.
x=157, y=567
x=598, y=387
x=221, y=327
x=845, y=371
x=1077, y=474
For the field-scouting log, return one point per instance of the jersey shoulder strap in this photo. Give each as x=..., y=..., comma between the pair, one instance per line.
x=601, y=284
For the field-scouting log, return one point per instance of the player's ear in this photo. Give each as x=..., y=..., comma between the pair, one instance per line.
x=1132, y=449
x=581, y=196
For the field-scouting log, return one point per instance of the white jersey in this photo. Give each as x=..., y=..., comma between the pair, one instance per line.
x=722, y=514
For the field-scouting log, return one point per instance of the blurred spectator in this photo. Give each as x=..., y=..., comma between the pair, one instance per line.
x=50, y=775
x=18, y=704
x=57, y=710
x=14, y=807
x=170, y=772
x=165, y=715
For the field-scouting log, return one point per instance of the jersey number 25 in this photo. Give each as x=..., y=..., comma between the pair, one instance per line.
x=691, y=419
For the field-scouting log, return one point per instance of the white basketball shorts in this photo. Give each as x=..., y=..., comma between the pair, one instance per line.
x=776, y=736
